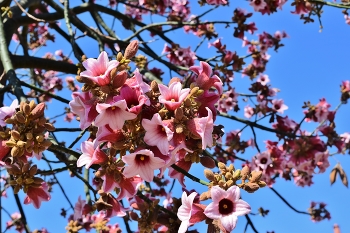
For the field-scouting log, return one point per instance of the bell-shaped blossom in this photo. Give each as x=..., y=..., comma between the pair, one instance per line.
x=157, y=133
x=137, y=82
x=142, y=163
x=263, y=160
x=279, y=106
x=134, y=98
x=203, y=127
x=205, y=80
x=36, y=195
x=116, y=210
x=226, y=206
x=109, y=182
x=172, y=96
x=106, y=134
x=98, y=70
x=78, y=209
x=185, y=165
x=208, y=99
x=90, y=155
x=184, y=211
x=83, y=106
x=4, y=149
x=7, y=112
x=114, y=114
x=128, y=186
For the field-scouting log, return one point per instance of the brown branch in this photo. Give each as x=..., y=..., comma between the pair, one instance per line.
x=42, y=63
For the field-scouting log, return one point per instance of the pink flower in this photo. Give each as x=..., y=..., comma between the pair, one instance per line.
x=137, y=82
x=83, y=105
x=7, y=112
x=98, y=69
x=90, y=155
x=279, y=106
x=248, y=111
x=36, y=195
x=78, y=209
x=157, y=133
x=263, y=160
x=263, y=79
x=184, y=211
x=258, y=5
x=172, y=96
x=203, y=127
x=204, y=80
x=114, y=114
x=142, y=163
x=116, y=210
x=226, y=206
x=217, y=2
x=106, y=134
x=134, y=98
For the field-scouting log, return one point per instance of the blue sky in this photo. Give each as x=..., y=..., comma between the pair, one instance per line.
x=310, y=66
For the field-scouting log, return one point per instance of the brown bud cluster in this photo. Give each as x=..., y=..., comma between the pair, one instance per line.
x=28, y=130
x=23, y=176
x=228, y=176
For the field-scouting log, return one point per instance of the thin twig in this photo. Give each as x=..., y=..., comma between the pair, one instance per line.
x=251, y=223
x=179, y=169
x=29, y=15
x=287, y=203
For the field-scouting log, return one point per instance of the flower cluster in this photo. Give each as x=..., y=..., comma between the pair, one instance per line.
x=152, y=127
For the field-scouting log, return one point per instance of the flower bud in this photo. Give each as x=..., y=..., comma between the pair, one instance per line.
x=222, y=166
x=38, y=111
x=15, y=134
x=20, y=118
x=251, y=187
x=49, y=127
x=209, y=174
x=131, y=50
x=256, y=175
x=245, y=172
x=118, y=78
x=206, y=161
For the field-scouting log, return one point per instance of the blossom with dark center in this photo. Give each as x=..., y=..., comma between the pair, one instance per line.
x=157, y=133
x=226, y=206
x=142, y=163
x=114, y=114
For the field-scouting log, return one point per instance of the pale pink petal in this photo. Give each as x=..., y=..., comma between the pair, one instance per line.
x=242, y=208
x=212, y=211
x=229, y=222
